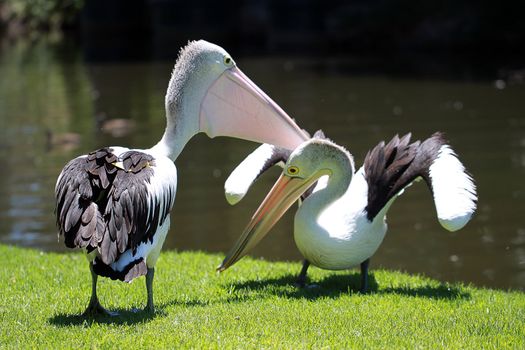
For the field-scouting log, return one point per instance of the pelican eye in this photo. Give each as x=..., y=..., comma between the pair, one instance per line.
x=293, y=170
x=228, y=61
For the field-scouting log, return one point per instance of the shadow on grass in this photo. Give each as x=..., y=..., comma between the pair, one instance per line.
x=335, y=285
x=130, y=317
x=123, y=317
x=331, y=286
x=442, y=291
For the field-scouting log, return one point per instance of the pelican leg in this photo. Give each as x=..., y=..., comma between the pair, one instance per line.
x=149, y=288
x=364, y=276
x=94, y=308
x=301, y=279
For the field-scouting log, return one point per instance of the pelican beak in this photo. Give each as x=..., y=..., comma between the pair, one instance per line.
x=234, y=106
x=280, y=198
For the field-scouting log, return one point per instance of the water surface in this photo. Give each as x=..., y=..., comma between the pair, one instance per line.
x=54, y=106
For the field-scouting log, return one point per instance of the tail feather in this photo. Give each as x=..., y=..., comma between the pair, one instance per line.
x=132, y=270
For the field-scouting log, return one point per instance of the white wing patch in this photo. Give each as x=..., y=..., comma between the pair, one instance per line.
x=454, y=190
x=244, y=175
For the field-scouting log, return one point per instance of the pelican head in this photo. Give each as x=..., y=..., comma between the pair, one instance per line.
x=310, y=161
x=209, y=93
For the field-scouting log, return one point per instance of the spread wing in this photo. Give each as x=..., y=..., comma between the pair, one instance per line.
x=390, y=168
x=253, y=166
x=112, y=203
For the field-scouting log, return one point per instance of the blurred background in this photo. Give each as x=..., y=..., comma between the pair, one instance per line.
x=80, y=74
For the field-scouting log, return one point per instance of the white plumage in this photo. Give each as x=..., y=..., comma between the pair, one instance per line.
x=454, y=190
x=342, y=222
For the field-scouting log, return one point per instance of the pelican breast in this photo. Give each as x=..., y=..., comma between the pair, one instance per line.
x=340, y=236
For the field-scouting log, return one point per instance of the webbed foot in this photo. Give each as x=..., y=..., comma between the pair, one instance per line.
x=300, y=283
x=150, y=309
x=94, y=309
x=301, y=279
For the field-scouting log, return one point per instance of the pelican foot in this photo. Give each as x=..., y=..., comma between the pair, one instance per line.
x=148, y=309
x=97, y=310
x=301, y=279
x=303, y=284
x=300, y=284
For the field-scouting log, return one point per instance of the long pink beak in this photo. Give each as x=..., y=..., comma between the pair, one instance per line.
x=234, y=106
x=280, y=198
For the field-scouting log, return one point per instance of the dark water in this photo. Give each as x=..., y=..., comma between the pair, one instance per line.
x=53, y=107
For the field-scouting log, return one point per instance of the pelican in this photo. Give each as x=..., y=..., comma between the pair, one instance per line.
x=115, y=202
x=343, y=221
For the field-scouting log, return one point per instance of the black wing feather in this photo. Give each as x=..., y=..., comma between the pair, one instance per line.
x=390, y=168
x=101, y=206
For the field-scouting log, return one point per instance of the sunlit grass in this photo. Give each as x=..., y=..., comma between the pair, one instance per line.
x=252, y=305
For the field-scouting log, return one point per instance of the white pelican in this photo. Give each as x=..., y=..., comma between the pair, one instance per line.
x=343, y=221
x=115, y=202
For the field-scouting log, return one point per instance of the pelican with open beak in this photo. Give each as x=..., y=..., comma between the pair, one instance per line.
x=343, y=221
x=115, y=202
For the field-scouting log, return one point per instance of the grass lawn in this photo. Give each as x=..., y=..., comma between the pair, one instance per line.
x=252, y=305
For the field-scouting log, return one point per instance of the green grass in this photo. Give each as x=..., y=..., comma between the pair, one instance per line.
x=252, y=305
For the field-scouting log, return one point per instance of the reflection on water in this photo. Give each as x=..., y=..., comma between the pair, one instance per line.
x=53, y=107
